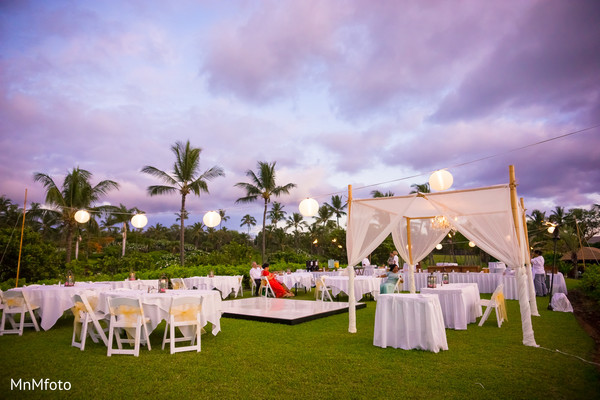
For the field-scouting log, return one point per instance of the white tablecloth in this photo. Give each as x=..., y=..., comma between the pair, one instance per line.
x=362, y=285
x=138, y=284
x=54, y=300
x=302, y=279
x=225, y=284
x=460, y=303
x=156, y=305
x=410, y=321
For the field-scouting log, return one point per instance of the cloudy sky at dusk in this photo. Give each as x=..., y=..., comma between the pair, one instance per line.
x=376, y=94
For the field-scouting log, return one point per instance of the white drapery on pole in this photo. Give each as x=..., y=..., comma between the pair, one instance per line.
x=483, y=216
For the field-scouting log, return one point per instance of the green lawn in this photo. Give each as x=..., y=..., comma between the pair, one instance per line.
x=317, y=359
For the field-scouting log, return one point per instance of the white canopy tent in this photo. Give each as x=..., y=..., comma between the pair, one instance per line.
x=486, y=216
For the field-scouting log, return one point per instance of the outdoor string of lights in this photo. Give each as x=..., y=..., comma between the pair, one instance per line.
x=439, y=180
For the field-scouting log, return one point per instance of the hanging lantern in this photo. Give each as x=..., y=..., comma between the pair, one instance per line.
x=309, y=207
x=139, y=221
x=163, y=284
x=472, y=244
x=211, y=219
x=70, y=279
x=440, y=180
x=445, y=278
x=82, y=216
x=439, y=246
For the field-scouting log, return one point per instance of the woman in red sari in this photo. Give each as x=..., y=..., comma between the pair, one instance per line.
x=278, y=288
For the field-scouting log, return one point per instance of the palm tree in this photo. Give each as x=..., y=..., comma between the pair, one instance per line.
x=262, y=185
x=197, y=232
x=296, y=221
x=377, y=193
x=223, y=217
x=337, y=207
x=184, y=179
x=276, y=214
x=76, y=193
x=420, y=188
x=121, y=215
x=558, y=215
x=324, y=215
x=248, y=220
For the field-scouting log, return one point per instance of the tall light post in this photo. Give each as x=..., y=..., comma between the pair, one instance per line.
x=555, y=237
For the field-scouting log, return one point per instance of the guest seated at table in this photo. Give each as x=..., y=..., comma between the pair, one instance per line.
x=388, y=285
x=255, y=273
x=278, y=288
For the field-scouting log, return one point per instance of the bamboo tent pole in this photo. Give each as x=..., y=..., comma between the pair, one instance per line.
x=528, y=338
x=350, y=271
x=411, y=267
x=21, y=244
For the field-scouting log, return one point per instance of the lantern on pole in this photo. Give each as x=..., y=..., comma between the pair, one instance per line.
x=440, y=180
x=472, y=244
x=82, y=216
x=211, y=219
x=439, y=246
x=309, y=207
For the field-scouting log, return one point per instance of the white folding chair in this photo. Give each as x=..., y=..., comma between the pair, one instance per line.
x=399, y=286
x=265, y=288
x=128, y=314
x=85, y=315
x=497, y=304
x=15, y=302
x=184, y=312
x=252, y=286
x=321, y=289
x=178, y=284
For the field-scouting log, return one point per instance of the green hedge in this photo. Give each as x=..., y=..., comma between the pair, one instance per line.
x=590, y=282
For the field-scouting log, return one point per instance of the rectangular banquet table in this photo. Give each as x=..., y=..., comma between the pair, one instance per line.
x=156, y=305
x=54, y=300
x=459, y=302
x=409, y=321
x=362, y=285
x=224, y=283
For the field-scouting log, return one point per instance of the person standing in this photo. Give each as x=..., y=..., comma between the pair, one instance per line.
x=255, y=274
x=539, y=274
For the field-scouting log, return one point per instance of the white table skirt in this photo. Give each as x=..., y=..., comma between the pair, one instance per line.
x=302, y=279
x=410, y=321
x=156, y=305
x=54, y=300
x=362, y=285
x=225, y=284
x=138, y=284
x=459, y=302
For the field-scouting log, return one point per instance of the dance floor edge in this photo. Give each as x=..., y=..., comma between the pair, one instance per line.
x=283, y=311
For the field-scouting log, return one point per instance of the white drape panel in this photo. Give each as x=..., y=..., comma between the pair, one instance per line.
x=423, y=239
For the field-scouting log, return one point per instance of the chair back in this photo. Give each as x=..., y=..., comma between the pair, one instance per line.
x=178, y=284
x=13, y=300
x=126, y=309
x=186, y=308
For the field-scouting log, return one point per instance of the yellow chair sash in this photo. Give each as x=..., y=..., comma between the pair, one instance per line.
x=127, y=313
x=177, y=286
x=77, y=309
x=185, y=312
x=14, y=302
x=501, y=306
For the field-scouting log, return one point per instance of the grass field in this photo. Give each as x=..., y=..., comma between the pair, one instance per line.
x=317, y=359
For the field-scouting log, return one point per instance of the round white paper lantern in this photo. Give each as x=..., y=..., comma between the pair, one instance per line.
x=82, y=216
x=551, y=229
x=439, y=246
x=440, y=180
x=472, y=244
x=211, y=219
x=139, y=220
x=309, y=207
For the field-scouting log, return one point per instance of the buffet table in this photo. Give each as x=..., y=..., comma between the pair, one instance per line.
x=409, y=321
x=459, y=302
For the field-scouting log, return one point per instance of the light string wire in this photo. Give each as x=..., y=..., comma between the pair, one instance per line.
x=398, y=179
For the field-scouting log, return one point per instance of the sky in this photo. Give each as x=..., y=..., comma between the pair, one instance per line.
x=376, y=94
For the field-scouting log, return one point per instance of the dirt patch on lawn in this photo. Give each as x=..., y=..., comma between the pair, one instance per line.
x=587, y=313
